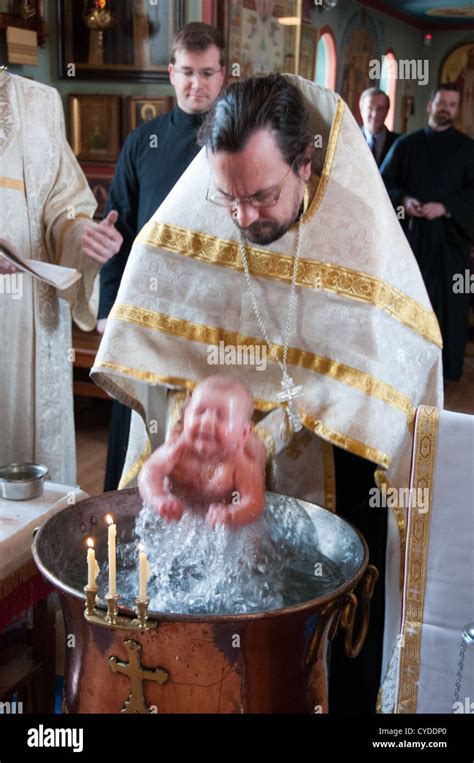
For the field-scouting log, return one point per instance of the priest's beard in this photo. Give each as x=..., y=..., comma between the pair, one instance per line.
x=265, y=232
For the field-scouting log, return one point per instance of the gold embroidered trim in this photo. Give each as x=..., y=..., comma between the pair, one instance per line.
x=310, y=189
x=146, y=376
x=177, y=404
x=197, y=332
x=426, y=439
x=151, y=378
x=267, y=440
x=352, y=284
x=328, y=160
x=12, y=184
x=329, y=476
x=348, y=443
x=382, y=479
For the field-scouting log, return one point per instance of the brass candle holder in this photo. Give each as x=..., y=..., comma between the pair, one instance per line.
x=142, y=607
x=112, y=617
x=91, y=594
x=112, y=608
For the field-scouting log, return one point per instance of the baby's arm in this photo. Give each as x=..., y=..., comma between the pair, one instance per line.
x=152, y=475
x=250, y=488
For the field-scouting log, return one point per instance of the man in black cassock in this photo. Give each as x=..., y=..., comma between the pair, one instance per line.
x=152, y=160
x=431, y=174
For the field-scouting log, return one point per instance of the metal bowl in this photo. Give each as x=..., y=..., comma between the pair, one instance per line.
x=281, y=667
x=21, y=482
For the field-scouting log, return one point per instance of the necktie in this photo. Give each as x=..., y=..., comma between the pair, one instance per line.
x=373, y=145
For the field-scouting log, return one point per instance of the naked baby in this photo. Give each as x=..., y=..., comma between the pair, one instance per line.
x=211, y=460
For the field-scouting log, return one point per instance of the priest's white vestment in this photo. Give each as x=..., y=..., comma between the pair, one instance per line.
x=365, y=346
x=45, y=202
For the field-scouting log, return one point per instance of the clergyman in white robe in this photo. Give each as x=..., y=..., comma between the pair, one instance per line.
x=45, y=202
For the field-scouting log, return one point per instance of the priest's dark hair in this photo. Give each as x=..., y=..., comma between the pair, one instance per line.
x=198, y=37
x=450, y=86
x=258, y=103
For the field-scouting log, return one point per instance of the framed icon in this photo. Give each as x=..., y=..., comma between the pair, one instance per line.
x=113, y=39
x=140, y=109
x=95, y=127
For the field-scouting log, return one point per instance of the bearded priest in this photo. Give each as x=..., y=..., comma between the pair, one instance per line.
x=281, y=235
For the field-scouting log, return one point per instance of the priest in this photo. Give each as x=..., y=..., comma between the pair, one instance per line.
x=46, y=210
x=273, y=238
x=430, y=175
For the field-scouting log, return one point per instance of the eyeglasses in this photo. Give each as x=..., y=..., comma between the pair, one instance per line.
x=202, y=73
x=266, y=198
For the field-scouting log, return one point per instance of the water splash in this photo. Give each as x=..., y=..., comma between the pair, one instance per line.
x=196, y=570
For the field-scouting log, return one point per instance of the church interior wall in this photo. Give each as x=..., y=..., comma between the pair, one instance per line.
x=406, y=42
x=404, y=39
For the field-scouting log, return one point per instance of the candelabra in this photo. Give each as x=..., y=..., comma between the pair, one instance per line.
x=112, y=618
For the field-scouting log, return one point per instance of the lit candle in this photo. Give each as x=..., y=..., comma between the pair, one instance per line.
x=112, y=556
x=144, y=569
x=92, y=566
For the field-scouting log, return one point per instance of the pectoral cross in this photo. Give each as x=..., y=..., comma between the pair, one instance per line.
x=135, y=703
x=290, y=392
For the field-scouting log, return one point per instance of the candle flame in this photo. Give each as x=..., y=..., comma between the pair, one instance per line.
x=141, y=547
x=109, y=519
x=102, y=4
x=90, y=542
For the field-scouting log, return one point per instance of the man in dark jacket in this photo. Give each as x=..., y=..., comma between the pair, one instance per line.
x=374, y=106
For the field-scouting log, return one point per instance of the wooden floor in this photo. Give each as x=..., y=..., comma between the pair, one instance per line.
x=92, y=424
x=92, y=428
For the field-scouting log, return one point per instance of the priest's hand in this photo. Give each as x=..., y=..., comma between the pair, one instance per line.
x=100, y=326
x=6, y=267
x=433, y=210
x=102, y=241
x=413, y=206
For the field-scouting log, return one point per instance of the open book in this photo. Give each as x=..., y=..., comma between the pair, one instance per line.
x=54, y=275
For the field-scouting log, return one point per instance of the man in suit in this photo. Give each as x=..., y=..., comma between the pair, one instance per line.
x=374, y=105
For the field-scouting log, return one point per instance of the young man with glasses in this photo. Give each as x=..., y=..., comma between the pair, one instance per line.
x=153, y=158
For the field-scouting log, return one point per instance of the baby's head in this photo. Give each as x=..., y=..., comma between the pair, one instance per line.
x=218, y=417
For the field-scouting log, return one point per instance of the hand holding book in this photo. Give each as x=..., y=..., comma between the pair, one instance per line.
x=55, y=275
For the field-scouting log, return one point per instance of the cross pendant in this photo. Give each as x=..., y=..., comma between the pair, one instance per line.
x=290, y=391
